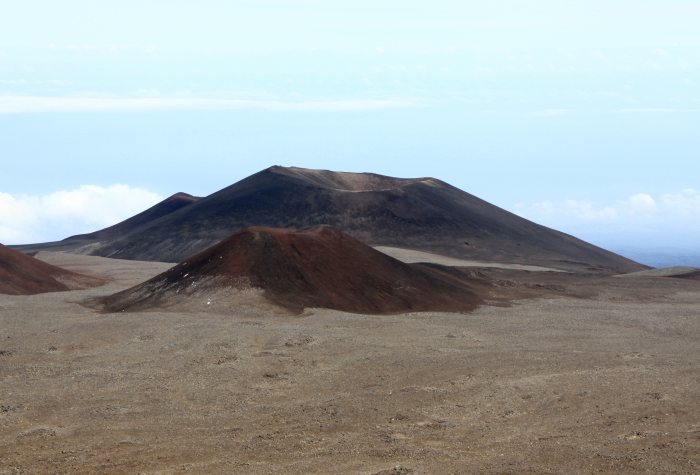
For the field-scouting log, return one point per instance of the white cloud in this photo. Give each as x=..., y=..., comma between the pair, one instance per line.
x=41, y=104
x=654, y=110
x=640, y=204
x=39, y=218
x=589, y=212
x=17, y=219
x=550, y=113
x=684, y=203
x=640, y=218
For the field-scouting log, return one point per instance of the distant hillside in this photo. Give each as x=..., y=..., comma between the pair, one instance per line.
x=141, y=220
x=24, y=275
x=668, y=257
x=90, y=243
x=421, y=213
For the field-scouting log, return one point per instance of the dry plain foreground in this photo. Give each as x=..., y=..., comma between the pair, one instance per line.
x=602, y=377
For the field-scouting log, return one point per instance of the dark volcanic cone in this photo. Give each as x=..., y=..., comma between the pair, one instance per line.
x=145, y=218
x=414, y=213
x=316, y=267
x=24, y=275
x=87, y=243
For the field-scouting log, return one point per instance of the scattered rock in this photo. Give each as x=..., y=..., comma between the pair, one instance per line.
x=298, y=341
x=226, y=359
x=39, y=432
x=397, y=470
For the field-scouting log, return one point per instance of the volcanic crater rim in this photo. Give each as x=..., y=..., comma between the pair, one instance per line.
x=352, y=182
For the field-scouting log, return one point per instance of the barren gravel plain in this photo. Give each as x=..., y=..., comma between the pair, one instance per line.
x=600, y=377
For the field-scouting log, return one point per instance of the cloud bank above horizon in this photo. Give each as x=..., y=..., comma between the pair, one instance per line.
x=638, y=220
x=630, y=222
x=41, y=218
x=21, y=104
x=586, y=111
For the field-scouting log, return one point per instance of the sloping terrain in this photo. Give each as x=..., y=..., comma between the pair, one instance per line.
x=24, y=275
x=90, y=243
x=677, y=272
x=145, y=218
x=318, y=267
x=423, y=213
x=695, y=275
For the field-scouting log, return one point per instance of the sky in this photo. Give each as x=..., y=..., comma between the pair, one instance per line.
x=580, y=115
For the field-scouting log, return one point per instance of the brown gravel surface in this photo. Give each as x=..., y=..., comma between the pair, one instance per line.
x=603, y=378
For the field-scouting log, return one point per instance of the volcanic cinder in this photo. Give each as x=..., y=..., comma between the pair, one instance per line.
x=319, y=267
x=502, y=346
x=417, y=213
x=21, y=274
x=598, y=377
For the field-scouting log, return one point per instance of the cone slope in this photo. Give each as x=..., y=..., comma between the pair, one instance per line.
x=316, y=267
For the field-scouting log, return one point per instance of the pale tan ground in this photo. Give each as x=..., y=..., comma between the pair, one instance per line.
x=606, y=384
x=663, y=272
x=411, y=256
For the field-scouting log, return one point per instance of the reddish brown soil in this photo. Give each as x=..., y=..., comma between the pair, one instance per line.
x=319, y=267
x=24, y=275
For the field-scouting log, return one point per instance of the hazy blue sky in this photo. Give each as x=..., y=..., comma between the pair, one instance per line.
x=582, y=115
